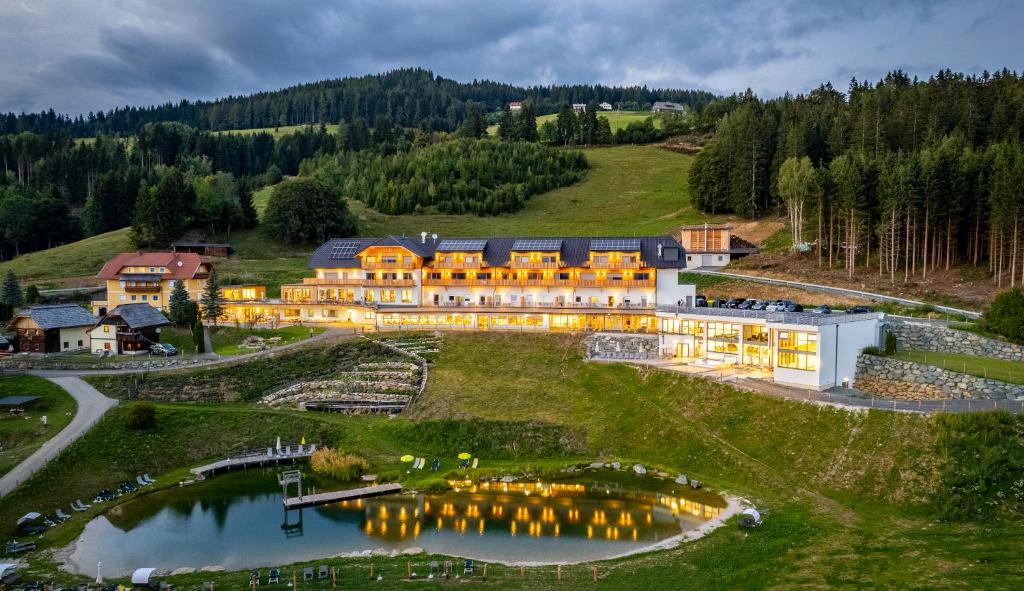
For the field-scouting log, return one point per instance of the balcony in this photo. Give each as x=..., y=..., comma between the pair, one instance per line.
x=541, y=282
x=456, y=265
x=535, y=265
x=142, y=287
x=407, y=265
x=613, y=265
x=532, y=305
x=313, y=281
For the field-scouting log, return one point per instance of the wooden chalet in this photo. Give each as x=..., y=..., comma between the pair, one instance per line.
x=52, y=328
x=128, y=328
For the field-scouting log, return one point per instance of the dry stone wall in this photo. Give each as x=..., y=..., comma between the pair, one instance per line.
x=924, y=336
x=621, y=346
x=906, y=380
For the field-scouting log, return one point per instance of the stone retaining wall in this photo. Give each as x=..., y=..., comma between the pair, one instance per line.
x=605, y=345
x=923, y=336
x=51, y=363
x=906, y=380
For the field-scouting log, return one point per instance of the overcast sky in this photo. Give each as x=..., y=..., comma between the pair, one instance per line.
x=82, y=55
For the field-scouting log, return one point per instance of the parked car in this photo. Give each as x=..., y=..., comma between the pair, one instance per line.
x=748, y=304
x=166, y=349
x=733, y=302
x=790, y=306
x=859, y=310
x=760, y=305
x=822, y=309
x=774, y=306
x=700, y=302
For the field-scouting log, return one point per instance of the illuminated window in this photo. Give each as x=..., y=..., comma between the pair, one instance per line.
x=798, y=350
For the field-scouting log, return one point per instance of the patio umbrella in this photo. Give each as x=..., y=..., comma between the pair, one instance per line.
x=278, y=443
x=406, y=458
x=465, y=455
x=99, y=573
x=303, y=442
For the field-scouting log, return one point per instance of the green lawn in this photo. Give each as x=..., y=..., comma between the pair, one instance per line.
x=227, y=340
x=260, y=199
x=180, y=337
x=20, y=435
x=997, y=369
x=852, y=496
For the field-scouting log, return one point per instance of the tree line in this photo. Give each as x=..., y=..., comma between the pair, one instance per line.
x=463, y=175
x=902, y=177
x=407, y=97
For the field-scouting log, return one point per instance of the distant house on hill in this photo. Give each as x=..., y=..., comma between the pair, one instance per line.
x=712, y=245
x=515, y=106
x=210, y=249
x=579, y=107
x=52, y=328
x=128, y=328
x=605, y=106
x=666, y=107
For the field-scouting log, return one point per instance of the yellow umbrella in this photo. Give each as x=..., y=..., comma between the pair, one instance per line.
x=406, y=458
x=465, y=455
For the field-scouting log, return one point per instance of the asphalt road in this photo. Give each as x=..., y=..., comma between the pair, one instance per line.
x=91, y=407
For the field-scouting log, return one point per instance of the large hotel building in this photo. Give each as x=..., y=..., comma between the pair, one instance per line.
x=579, y=284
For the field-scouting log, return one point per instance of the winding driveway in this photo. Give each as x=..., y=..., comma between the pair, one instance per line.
x=92, y=405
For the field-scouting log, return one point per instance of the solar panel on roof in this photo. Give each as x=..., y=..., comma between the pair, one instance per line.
x=343, y=250
x=454, y=245
x=524, y=244
x=622, y=244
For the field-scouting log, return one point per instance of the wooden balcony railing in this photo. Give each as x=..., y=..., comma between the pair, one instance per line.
x=314, y=282
x=456, y=265
x=613, y=265
x=537, y=265
x=541, y=282
x=408, y=265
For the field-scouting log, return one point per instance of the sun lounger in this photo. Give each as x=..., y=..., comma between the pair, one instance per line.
x=464, y=464
x=322, y=572
x=78, y=507
x=140, y=481
x=435, y=465
x=307, y=573
x=149, y=479
x=62, y=515
x=476, y=462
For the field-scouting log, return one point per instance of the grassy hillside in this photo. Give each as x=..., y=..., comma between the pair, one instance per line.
x=616, y=119
x=20, y=435
x=275, y=131
x=629, y=190
x=852, y=496
x=70, y=264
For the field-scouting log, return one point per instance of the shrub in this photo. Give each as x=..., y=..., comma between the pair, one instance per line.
x=890, y=343
x=1006, y=315
x=872, y=351
x=338, y=464
x=140, y=416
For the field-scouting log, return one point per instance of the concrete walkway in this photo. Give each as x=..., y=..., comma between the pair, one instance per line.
x=92, y=405
x=880, y=297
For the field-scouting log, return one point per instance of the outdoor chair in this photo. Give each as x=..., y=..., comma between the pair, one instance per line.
x=254, y=577
x=322, y=571
x=148, y=479
x=435, y=569
x=141, y=481
x=274, y=577
x=468, y=569
x=435, y=465
x=476, y=462
x=307, y=573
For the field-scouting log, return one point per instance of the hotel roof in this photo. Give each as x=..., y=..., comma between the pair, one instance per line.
x=574, y=251
x=178, y=265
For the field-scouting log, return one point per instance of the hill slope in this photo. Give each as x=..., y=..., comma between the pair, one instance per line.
x=629, y=190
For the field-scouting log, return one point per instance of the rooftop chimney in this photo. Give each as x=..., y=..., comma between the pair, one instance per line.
x=423, y=237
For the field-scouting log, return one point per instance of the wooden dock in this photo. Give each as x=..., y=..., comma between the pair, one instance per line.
x=341, y=495
x=274, y=457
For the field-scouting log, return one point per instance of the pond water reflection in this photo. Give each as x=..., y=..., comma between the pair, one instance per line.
x=237, y=521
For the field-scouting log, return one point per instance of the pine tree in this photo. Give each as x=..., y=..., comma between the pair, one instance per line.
x=179, y=304
x=473, y=126
x=32, y=295
x=213, y=303
x=528, y=122
x=507, y=125
x=10, y=291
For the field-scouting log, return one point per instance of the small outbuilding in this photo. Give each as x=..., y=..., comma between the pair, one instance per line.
x=209, y=249
x=52, y=328
x=128, y=328
x=143, y=577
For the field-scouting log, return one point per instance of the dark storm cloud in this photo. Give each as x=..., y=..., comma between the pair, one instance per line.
x=90, y=54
